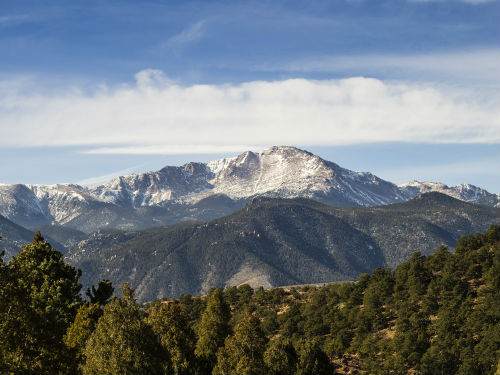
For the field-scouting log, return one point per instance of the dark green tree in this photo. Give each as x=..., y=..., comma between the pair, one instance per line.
x=176, y=336
x=243, y=351
x=79, y=332
x=311, y=359
x=102, y=294
x=280, y=357
x=123, y=343
x=213, y=329
x=39, y=300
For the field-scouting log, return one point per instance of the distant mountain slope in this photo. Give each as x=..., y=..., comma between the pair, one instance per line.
x=420, y=224
x=274, y=242
x=199, y=191
x=15, y=236
x=464, y=192
x=491, y=200
x=20, y=204
x=67, y=237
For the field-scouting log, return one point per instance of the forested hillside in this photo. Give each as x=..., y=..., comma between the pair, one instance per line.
x=431, y=315
x=275, y=242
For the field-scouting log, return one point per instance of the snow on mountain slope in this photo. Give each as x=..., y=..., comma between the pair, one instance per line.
x=288, y=172
x=62, y=202
x=463, y=192
x=154, y=188
x=284, y=171
x=19, y=204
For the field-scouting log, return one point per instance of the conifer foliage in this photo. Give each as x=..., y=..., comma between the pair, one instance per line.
x=177, y=338
x=39, y=297
x=243, y=352
x=213, y=329
x=123, y=343
x=431, y=315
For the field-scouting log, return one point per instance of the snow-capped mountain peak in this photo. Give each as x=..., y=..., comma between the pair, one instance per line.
x=279, y=171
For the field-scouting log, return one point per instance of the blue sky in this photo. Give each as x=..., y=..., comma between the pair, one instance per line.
x=404, y=89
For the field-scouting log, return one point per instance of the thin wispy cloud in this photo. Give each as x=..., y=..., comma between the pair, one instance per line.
x=192, y=33
x=156, y=115
x=173, y=149
x=13, y=19
x=101, y=179
x=479, y=65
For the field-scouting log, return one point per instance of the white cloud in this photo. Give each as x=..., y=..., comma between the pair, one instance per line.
x=190, y=34
x=152, y=78
x=158, y=116
x=170, y=149
x=102, y=179
x=475, y=65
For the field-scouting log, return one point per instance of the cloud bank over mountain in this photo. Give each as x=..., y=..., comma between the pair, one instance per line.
x=158, y=115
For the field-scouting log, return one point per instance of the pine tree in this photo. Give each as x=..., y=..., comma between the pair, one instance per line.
x=280, y=357
x=79, y=332
x=213, y=329
x=176, y=336
x=312, y=360
x=123, y=343
x=243, y=352
x=39, y=301
x=102, y=294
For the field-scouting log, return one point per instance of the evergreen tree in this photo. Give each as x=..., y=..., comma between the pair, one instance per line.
x=79, y=332
x=40, y=298
x=280, y=357
x=311, y=359
x=123, y=343
x=176, y=336
x=243, y=351
x=213, y=329
x=102, y=294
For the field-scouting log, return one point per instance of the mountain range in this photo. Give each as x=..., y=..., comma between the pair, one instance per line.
x=204, y=191
x=274, y=241
x=278, y=217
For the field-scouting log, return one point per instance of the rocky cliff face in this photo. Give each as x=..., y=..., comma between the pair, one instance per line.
x=281, y=172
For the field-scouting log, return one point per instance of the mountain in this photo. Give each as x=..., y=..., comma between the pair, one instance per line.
x=67, y=237
x=15, y=236
x=204, y=191
x=19, y=204
x=464, y=192
x=274, y=241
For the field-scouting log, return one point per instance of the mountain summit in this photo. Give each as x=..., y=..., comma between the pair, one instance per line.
x=285, y=172
x=202, y=191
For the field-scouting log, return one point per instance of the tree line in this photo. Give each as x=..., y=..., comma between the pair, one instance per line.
x=431, y=315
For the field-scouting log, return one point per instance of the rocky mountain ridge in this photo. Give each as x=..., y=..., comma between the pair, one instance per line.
x=174, y=194
x=464, y=192
x=273, y=241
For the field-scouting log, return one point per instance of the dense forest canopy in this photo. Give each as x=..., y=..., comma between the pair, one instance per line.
x=438, y=314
